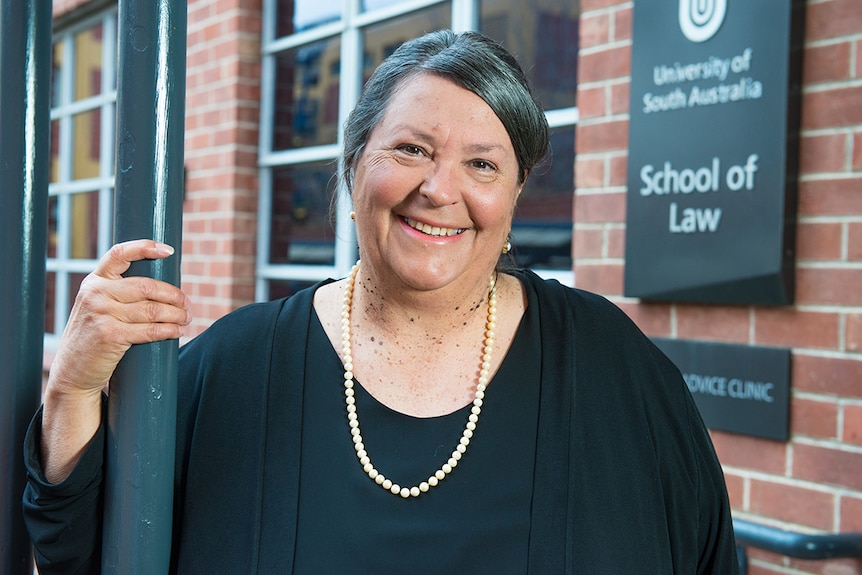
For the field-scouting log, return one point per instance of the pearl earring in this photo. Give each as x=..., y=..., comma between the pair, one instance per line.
x=507, y=247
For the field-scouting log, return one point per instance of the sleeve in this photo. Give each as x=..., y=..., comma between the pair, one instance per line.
x=65, y=519
x=715, y=524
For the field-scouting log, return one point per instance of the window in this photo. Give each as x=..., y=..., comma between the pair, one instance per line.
x=83, y=97
x=316, y=56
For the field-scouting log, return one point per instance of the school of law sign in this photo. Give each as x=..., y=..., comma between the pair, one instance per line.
x=713, y=150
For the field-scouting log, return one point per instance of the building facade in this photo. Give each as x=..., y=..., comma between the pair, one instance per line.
x=269, y=83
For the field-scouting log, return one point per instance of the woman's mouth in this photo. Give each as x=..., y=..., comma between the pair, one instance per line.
x=432, y=230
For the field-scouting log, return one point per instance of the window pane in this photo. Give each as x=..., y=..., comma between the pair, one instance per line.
x=84, y=234
x=52, y=226
x=369, y=5
x=286, y=288
x=88, y=62
x=544, y=37
x=87, y=145
x=302, y=229
x=50, y=298
x=306, y=96
x=56, y=74
x=55, y=151
x=542, y=229
x=382, y=39
x=298, y=15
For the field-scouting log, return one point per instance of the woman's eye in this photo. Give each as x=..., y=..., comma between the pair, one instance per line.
x=411, y=149
x=484, y=165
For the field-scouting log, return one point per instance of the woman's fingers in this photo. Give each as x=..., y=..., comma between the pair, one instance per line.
x=112, y=313
x=117, y=260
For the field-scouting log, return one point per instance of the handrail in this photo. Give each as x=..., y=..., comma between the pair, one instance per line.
x=797, y=545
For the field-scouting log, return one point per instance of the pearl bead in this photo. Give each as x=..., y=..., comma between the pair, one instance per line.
x=475, y=410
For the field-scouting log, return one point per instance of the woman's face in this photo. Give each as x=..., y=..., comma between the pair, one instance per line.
x=435, y=187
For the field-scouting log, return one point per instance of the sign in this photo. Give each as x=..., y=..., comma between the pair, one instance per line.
x=713, y=151
x=737, y=388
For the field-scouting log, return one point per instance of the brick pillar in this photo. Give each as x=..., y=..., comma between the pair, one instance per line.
x=220, y=222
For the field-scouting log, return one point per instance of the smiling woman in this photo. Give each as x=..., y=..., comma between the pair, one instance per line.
x=509, y=424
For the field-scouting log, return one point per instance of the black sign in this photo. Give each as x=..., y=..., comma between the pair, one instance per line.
x=712, y=162
x=737, y=388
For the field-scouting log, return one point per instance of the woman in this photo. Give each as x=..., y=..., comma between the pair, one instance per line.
x=428, y=414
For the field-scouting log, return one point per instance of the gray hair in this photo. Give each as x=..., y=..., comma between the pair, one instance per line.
x=474, y=62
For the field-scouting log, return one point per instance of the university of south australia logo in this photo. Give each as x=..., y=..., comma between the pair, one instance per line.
x=701, y=19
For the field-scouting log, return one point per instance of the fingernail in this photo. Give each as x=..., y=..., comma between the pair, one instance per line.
x=166, y=249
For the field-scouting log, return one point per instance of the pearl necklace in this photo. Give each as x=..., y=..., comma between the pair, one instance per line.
x=353, y=416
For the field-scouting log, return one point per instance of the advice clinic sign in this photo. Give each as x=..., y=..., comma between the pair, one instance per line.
x=713, y=146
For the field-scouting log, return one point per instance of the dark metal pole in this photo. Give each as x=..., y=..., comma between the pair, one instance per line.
x=25, y=69
x=139, y=469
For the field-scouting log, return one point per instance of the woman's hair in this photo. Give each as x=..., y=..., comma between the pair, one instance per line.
x=472, y=61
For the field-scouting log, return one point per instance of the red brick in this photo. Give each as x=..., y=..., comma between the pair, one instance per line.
x=590, y=5
x=652, y=318
x=589, y=172
x=616, y=243
x=827, y=466
x=618, y=171
x=853, y=332
x=602, y=136
x=834, y=108
x=853, y=424
x=829, y=375
x=620, y=96
x=730, y=324
x=792, y=504
x=851, y=514
x=811, y=418
x=829, y=286
x=832, y=19
x=822, y=153
x=829, y=63
x=735, y=485
x=833, y=197
x=604, y=64
x=594, y=30
x=622, y=24
x=819, y=241
x=591, y=102
x=857, y=143
x=598, y=208
x=789, y=327
x=751, y=453
x=588, y=243
x=605, y=279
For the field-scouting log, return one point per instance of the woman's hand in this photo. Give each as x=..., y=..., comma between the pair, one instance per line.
x=111, y=313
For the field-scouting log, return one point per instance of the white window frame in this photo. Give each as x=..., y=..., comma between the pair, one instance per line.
x=64, y=110
x=464, y=16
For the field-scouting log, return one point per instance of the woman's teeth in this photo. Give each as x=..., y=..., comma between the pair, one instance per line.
x=433, y=230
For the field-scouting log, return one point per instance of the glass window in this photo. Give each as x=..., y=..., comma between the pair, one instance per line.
x=302, y=228
x=306, y=95
x=542, y=228
x=301, y=15
x=83, y=97
x=311, y=81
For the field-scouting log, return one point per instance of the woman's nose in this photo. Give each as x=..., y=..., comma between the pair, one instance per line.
x=440, y=184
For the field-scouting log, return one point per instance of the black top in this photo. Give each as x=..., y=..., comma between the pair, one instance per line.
x=625, y=479
x=475, y=521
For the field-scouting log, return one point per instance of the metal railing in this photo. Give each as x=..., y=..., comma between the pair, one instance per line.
x=793, y=544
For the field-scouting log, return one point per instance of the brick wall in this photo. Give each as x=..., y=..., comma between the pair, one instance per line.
x=222, y=105
x=814, y=481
